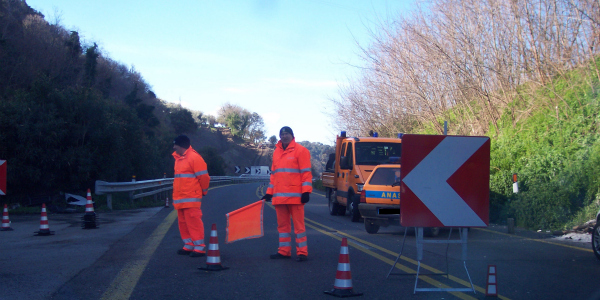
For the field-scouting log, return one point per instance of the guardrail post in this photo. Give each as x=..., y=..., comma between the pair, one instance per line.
x=131, y=193
x=109, y=201
x=510, y=222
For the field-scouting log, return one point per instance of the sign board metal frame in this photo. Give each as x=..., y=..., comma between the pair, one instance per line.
x=444, y=183
x=420, y=241
x=462, y=240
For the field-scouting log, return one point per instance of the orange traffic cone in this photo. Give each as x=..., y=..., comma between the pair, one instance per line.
x=5, y=220
x=213, y=258
x=342, y=287
x=89, y=205
x=491, y=289
x=89, y=219
x=167, y=202
x=44, y=228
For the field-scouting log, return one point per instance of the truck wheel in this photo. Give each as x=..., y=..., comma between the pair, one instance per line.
x=371, y=227
x=353, y=207
x=596, y=240
x=334, y=207
x=431, y=231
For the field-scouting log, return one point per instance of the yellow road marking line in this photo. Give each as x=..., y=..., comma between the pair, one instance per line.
x=124, y=284
x=535, y=240
x=390, y=262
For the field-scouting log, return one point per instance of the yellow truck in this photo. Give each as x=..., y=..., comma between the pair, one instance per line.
x=380, y=199
x=349, y=167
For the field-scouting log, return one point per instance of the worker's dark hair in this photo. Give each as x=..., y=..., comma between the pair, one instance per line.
x=182, y=141
x=286, y=129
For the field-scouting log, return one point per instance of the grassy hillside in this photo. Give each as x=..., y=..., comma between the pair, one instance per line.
x=554, y=149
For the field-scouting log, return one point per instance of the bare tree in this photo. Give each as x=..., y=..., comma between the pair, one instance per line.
x=466, y=61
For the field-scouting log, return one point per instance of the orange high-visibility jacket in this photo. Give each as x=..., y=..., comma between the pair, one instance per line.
x=290, y=174
x=191, y=179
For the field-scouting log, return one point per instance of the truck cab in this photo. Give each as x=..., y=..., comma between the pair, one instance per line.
x=350, y=166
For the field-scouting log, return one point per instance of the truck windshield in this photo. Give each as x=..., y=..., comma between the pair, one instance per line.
x=385, y=176
x=369, y=153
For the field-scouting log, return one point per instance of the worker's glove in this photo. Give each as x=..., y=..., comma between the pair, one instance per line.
x=305, y=197
x=267, y=197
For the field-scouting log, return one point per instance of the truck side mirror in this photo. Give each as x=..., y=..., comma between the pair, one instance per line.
x=344, y=163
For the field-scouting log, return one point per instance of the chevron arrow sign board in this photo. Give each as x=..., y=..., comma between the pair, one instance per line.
x=444, y=181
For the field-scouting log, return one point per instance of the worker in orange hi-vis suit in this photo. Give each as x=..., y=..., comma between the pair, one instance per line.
x=289, y=189
x=190, y=183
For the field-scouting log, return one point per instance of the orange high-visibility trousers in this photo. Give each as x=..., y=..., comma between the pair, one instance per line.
x=284, y=227
x=191, y=229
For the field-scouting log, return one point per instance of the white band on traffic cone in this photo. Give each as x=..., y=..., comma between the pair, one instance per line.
x=5, y=220
x=342, y=286
x=491, y=289
x=213, y=257
x=89, y=206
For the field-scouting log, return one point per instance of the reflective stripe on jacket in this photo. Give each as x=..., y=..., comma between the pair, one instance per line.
x=191, y=179
x=290, y=174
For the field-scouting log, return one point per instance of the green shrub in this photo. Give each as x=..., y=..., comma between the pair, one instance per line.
x=556, y=154
x=318, y=185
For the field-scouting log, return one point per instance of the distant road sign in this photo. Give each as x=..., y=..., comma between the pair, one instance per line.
x=445, y=181
x=247, y=170
x=237, y=169
x=259, y=170
x=2, y=177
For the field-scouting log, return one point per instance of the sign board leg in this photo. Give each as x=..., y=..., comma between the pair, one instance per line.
x=398, y=257
x=462, y=240
x=419, y=231
x=417, y=276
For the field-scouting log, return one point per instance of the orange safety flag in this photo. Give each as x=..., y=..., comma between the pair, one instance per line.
x=245, y=223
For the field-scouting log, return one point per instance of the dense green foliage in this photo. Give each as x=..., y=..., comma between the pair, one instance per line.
x=70, y=116
x=555, y=152
x=214, y=161
x=242, y=123
x=318, y=185
x=63, y=139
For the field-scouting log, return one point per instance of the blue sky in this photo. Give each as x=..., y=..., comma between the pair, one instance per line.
x=281, y=59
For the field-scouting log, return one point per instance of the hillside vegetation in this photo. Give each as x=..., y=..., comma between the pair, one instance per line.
x=555, y=152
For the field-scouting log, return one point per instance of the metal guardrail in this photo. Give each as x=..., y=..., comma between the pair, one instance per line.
x=145, y=188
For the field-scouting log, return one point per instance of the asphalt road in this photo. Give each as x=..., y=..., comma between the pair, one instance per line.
x=133, y=256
